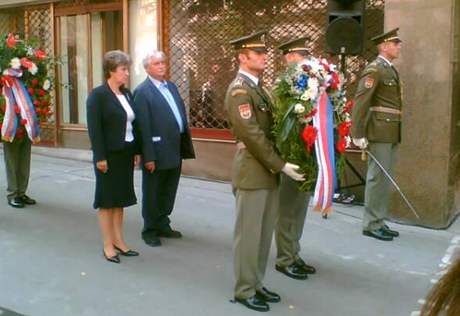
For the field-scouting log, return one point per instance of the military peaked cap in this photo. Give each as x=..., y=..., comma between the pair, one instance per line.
x=390, y=36
x=296, y=45
x=255, y=42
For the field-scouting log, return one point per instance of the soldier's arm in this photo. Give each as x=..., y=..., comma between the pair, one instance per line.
x=363, y=98
x=246, y=129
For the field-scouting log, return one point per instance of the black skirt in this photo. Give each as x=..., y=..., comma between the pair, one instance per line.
x=115, y=189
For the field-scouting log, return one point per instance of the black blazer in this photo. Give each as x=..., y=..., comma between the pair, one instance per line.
x=161, y=140
x=106, y=121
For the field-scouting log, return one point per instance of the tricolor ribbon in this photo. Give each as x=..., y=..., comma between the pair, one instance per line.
x=325, y=155
x=16, y=95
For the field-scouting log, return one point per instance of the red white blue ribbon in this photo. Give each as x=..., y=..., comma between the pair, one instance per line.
x=16, y=95
x=326, y=182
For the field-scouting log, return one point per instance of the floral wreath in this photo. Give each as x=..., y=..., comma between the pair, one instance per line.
x=312, y=125
x=24, y=88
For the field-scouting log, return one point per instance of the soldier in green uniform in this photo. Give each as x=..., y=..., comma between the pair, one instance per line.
x=293, y=203
x=376, y=126
x=17, y=164
x=254, y=174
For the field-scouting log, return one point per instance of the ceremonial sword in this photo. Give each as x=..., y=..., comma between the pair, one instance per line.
x=387, y=174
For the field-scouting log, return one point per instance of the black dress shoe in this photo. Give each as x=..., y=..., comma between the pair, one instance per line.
x=152, y=241
x=128, y=253
x=254, y=303
x=293, y=271
x=267, y=296
x=306, y=267
x=388, y=231
x=16, y=202
x=114, y=259
x=378, y=234
x=169, y=233
x=27, y=200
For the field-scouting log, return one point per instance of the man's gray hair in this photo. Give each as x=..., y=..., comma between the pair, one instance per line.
x=157, y=54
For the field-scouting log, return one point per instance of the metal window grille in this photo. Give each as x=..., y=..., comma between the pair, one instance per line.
x=196, y=35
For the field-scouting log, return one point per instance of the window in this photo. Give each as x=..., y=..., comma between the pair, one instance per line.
x=83, y=40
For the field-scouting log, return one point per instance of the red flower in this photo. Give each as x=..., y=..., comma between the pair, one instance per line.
x=44, y=103
x=26, y=63
x=312, y=113
x=31, y=91
x=40, y=54
x=348, y=106
x=17, y=110
x=10, y=41
x=20, y=133
x=306, y=68
x=38, y=110
x=23, y=122
x=34, y=82
x=41, y=93
x=335, y=81
x=36, y=103
x=7, y=81
x=309, y=135
x=344, y=129
x=341, y=145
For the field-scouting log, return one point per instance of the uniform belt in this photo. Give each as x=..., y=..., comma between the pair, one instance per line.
x=384, y=109
x=240, y=145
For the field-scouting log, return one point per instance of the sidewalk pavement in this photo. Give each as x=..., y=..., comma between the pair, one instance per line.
x=51, y=260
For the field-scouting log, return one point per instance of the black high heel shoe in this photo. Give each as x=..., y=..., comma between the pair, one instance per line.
x=114, y=259
x=129, y=253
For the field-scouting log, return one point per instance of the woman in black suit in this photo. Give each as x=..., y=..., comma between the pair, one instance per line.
x=110, y=119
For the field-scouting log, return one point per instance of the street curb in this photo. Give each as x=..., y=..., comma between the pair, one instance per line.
x=64, y=153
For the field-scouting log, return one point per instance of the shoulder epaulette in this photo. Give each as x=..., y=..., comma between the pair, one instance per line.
x=238, y=91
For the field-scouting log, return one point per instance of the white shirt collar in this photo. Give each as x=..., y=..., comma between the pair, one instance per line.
x=156, y=82
x=252, y=77
x=386, y=60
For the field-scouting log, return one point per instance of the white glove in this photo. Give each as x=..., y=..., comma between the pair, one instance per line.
x=360, y=142
x=291, y=170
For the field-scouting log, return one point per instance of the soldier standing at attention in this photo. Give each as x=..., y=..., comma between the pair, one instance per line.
x=255, y=173
x=376, y=126
x=293, y=203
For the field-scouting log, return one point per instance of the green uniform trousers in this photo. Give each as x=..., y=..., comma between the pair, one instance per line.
x=255, y=223
x=17, y=164
x=292, y=211
x=377, y=193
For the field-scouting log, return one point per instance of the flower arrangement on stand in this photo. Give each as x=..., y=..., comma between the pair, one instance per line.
x=312, y=125
x=24, y=88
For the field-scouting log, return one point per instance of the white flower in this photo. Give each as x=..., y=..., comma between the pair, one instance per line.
x=46, y=85
x=15, y=63
x=299, y=108
x=33, y=69
x=306, y=95
x=30, y=51
x=5, y=72
x=348, y=141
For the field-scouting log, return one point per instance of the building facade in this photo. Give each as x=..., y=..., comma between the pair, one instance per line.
x=195, y=34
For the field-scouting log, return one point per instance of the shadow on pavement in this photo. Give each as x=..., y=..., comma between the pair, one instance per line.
x=7, y=312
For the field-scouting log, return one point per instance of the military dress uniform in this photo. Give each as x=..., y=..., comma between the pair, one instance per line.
x=293, y=206
x=376, y=116
x=254, y=177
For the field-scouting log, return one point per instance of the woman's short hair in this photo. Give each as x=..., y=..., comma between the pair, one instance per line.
x=112, y=60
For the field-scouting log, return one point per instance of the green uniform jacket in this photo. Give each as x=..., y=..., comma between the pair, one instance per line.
x=377, y=103
x=249, y=111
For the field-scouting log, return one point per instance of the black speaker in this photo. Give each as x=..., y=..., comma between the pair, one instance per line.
x=345, y=30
